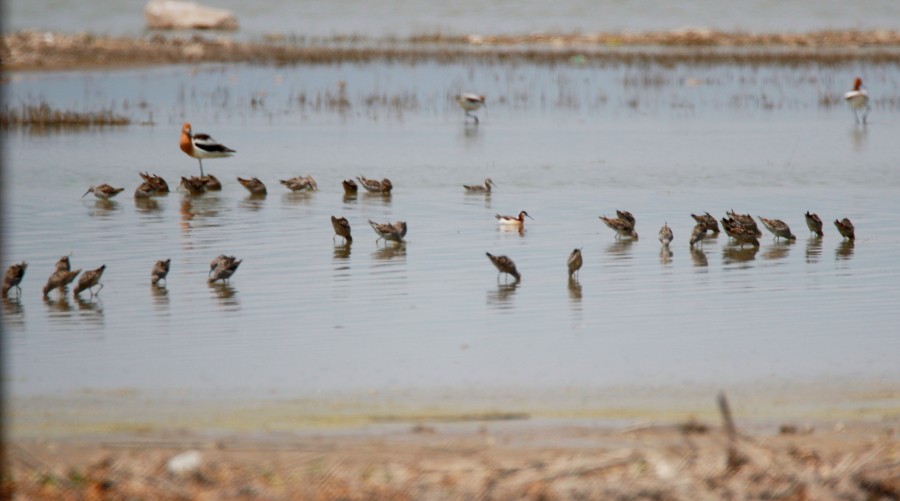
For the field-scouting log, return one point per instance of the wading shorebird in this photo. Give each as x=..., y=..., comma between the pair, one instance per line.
x=504, y=265
x=341, y=229
x=471, y=103
x=708, y=221
x=478, y=188
x=814, y=223
x=845, y=228
x=212, y=182
x=89, y=280
x=745, y=220
x=63, y=264
x=201, y=146
x=387, y=231
x=193, y=185
x=144, y=190
x=224, y=269
x=858, y=99
x=103, y=191
x=13, y=278
x=665, y=235
x=157, y=183
x=59, y=280
x=513, y=220
x=622, y=227
x=300, y=183
x=220, y=261
x=778, y=228
x=253, y=185
x=739, y=233
x=574, y=262
x=698, y=233
x=160, y=271
x=375, y=186
x=350, y=187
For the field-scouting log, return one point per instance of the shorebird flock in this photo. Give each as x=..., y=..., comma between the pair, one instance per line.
x=740, y=228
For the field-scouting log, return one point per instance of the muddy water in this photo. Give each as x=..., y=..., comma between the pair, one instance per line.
x=305, y=314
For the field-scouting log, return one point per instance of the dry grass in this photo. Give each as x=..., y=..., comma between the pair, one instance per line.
x=43, y=116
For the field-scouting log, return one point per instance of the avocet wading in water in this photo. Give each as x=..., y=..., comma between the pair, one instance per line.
x=858, y=99
x=471, y=103
x=202, y=146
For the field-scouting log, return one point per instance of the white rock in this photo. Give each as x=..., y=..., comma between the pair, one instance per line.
x=175, y=15
x=186, y=463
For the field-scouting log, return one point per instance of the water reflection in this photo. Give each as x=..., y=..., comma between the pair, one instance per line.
x=146, y=205
x=13, y=312
x=844, y=250
x=778, y=250
x=226, y=294
x=104, y=208
x=350, y=197
x=59, y=307
x=470, y=133
x=501, y=297
x=574, y=290
x=253, y=202
x=735, y=254
x=509, y=228
x=699, y=257
x=342, y=252
x=665, y=255
x=390, y=251
x=620, y=248
x=199, y=207
x=813, y=249
x=378, y=198
x=90, y=309
x=298, y=197
x=160, y=296
x=858, y=138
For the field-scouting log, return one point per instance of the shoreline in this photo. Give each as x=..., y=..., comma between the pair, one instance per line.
x=39, y=51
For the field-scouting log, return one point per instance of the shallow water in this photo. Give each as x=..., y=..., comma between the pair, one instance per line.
x=305, y=314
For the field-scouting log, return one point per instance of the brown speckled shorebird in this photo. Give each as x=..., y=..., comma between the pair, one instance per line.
x=89, y=280
x=708, y=221
x=63, y=264
x=103, y=191
x=253, y=185
x=144, y=190
x=665, y=235
x=480, y=188
x=845, y=228
x=574, y=262
x=374, y=186
x=389, y=231
x=350, y=187
x=201, y=146
x=220, y=261
x=193, y=185
x=504, y=265
x=59, y=280
x=160, y=271
x=699, y=232
x=745, y=220
x=13, y=278
x=212, y=182
x=814, y=223
x=622, y=227
x=341, y=228
x=156, y=183
x=300, y=183
x=739, y=232
x=224, y=269
x=778, y=228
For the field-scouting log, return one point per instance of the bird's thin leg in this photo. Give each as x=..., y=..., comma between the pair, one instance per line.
x=201, y=166
x=100, y=289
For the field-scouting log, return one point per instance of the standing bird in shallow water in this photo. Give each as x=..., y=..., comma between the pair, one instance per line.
x=63, y=264
x=60, y=279
x=375, y=186
x=224, y=269
x=622, y=227
x=574, y=263
x=708, y=221
x=665, y=235
x=471, y=103
x=350, y=187
x=341, y=228
x=387, y=231
x=103, y=191
x=160, y=271
x=845, y=228
x=699, y=232
x=740, y=233
x=220, y=260
x=814, y=223
x=778, y=228
x=253, y=185
x=89, y=280
x=858, y=99
x=13, y=278
x=477, y=188
x=201, y=146
x=504, y=265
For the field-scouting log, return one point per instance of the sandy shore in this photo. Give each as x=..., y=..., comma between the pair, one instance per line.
x=57, y=51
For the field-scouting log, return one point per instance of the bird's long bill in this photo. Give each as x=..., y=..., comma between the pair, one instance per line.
x=86, y=192
x=529, y=217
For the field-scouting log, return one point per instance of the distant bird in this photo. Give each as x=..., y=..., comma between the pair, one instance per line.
x=160, y=271
x=504, y=265
x=513, y=220
x=665, y=235
x=212, y=182
x=626, y=216
x=341, y=228
x=698, y=233
x=708, y=221
x=814, y=223
x=739, y=233
x=89, y=280
x=375, y=186
x=193, y=185
x=253, y=185
x=59, y=280
x=389, y=231
x=220, y=260
x=575, y=261
x=858, y=99
x=201, y=146
x=745, y=220
x=300, y=183
x=158, y=184
x=13, y=278
x=478, y=188
x=224, y=269
x=622, y=227
x=144, y=190
x=845, y=228
x=471, y=103
x=350, y=187
x=778, y=228
x=103, y=191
